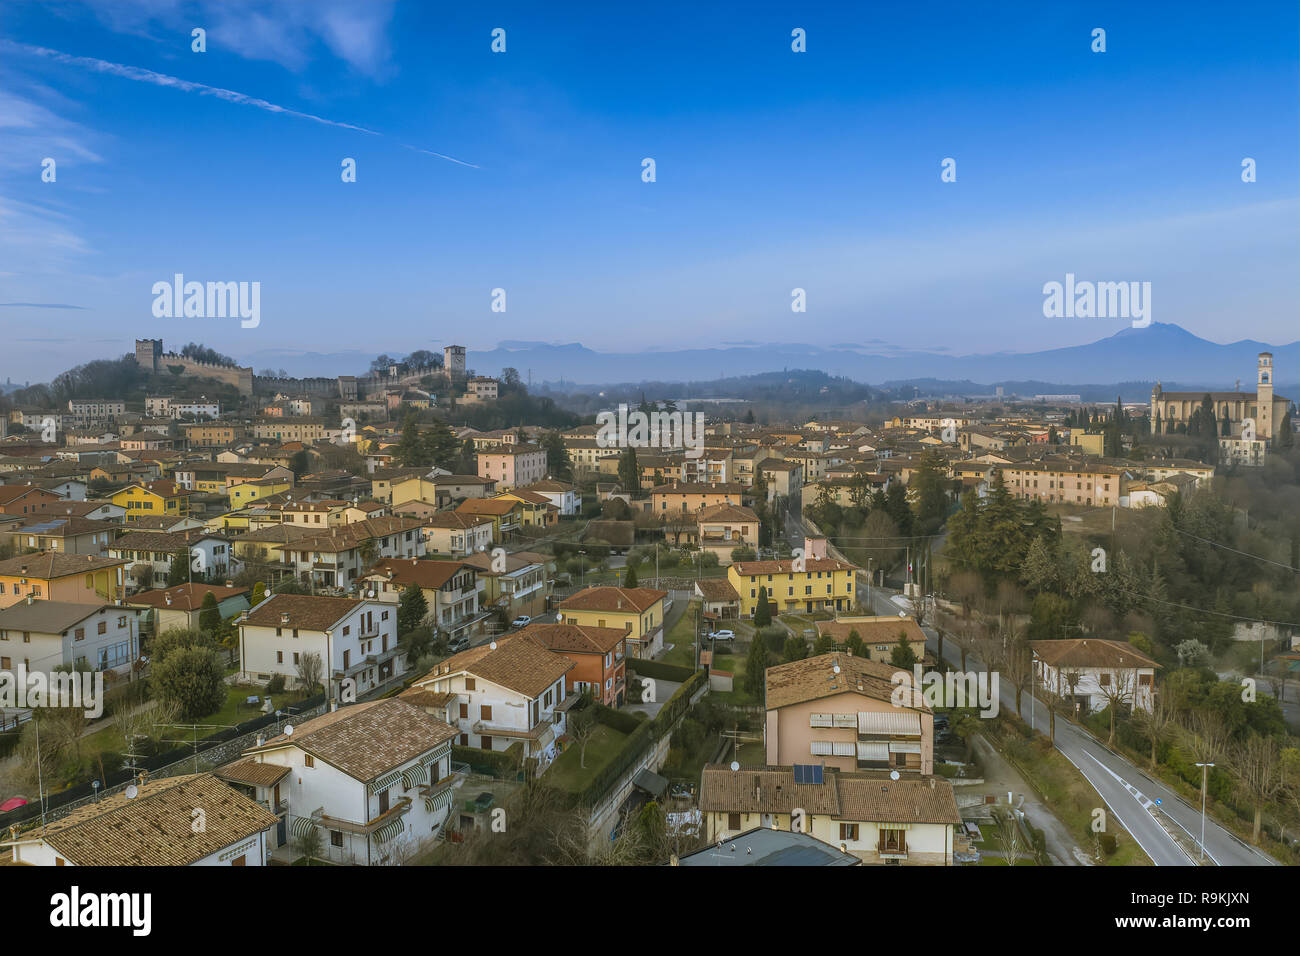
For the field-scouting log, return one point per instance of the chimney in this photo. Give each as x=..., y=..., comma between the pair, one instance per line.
x=932, y=783
x=284, y=617
x=261, y=739
x=334, y=705
x=30, y=599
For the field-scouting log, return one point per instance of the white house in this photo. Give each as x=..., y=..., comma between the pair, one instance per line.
x=43, y=635
x=508, y=691
x=1092, y=673
x=355, y=641
x=155, y=826
x=374, y=779
x=558, y=493
x=210, y=554
x=337, y=557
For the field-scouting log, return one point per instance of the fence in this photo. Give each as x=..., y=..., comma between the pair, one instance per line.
x=217, y=748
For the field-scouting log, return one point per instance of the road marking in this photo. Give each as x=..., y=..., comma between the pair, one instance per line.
x=1142, y=800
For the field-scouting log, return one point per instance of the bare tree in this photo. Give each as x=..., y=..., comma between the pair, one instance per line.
x=1007, y=836
x=1156, y=724
x=1257, y=768
x=1117, y=688
x=310, y=671
x=582, y=725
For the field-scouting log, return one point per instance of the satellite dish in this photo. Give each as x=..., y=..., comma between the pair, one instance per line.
x=902, y=614
x=893, y=775
x=288, y=730
x=836, y=668
x=132, y=791
x=492, y=646
x=735, y=765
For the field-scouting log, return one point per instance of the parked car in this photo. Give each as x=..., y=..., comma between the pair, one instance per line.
x=521, y=621
x=458, y=644
x=722, y=636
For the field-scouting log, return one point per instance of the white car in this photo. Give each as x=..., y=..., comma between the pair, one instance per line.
x=722, y=636
x=521, y=621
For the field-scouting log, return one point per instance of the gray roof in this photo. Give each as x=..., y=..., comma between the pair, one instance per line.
x=764, y=847
x=48, y=617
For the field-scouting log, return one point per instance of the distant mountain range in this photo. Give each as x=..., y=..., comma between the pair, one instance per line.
x=1161, y=351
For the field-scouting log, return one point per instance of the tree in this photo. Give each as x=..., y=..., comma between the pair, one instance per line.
x=630, y=579
x=629, y=473
x=308, y=843
x=756, y=668
x=180, y=571
x=902, y=656
x=440, y=446
x=1156, y=724
x=1256, y=767
x=209, y=614
x=419, y=642
x=193, y=679
x=928, y=484
x=412, y=607
x=582, y=725
x=411, y=451
x=259, y=594
x=762, y=610
x=176, y=639
x=795, y=649
x=854, y=643
x=558, y=462
x=310, y=671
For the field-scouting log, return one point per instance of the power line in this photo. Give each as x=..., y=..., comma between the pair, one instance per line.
x=1247, y=554
x=1201, y=610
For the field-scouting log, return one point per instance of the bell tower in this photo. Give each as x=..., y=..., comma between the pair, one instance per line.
x=1264, y=424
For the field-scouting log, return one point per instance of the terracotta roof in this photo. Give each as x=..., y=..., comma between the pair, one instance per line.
x=424, y=697
x=50, y=564
x=157, y=827
x=881, y=630
x=251, y=772
x=306, y=611
x=483, y=562
x=1090, y=652
x=159, y=540
x=861, y=797
x=814, y=677
x=787, y=567
x=701, y=488
x=457, y=520
x=726, y=512
x=407, y=571
x=547, y=485
x=608, y=598
x=487, y=506
x=579, y=638
x=517, y=662
x=716, y=589
x=185, y=597
x=366, y=740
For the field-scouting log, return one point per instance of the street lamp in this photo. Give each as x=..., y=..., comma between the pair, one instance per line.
x=582, y=568
x=1205, y=770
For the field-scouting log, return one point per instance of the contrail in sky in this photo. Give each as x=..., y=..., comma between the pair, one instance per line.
x=187, y=86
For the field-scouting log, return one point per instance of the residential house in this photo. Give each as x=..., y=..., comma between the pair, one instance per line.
x=181, y=606
x=151, y=554
x=155, y=826
x=823, y=584
x=451, y=590
x=1091, y=673
x=43, y=635
x=518, y=586
x=26, y=499
x=838, y=710
x=512, y=465
x=506, y=514
x=638, y=612
x=910, y=821
x=719, y=600
x=723, y=528
x=83, y=579
x=355, y=641
x=565, y=498
x=598, y=655
x=880, y=635
x=50, y=531
x=456, y=534
x=509, y=691
x=374, y=779
x=161, y=497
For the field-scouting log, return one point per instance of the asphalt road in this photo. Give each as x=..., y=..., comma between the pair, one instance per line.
x=1126, y=790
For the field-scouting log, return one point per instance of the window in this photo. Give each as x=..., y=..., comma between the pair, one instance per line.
x=471, y=684
x=464, y=711
x=279, y=657
x=486, y=712
x=733, y=821
x=336, y=838
x=848, y=831
x=80, y=634
x=383, y=802
x=308, y=760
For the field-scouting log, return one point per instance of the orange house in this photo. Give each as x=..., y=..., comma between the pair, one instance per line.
x=51, y=576
x=598, y=654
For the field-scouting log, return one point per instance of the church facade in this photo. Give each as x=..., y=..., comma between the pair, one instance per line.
x=1248, y=422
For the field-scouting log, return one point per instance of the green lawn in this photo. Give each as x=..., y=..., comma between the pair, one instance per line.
x=567, y=773
x=682, y=637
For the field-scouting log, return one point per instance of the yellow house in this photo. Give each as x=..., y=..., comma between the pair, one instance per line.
x=160, y=497
x=639, y=612
x=537, y=509
x=822, y=584
x=244, y=493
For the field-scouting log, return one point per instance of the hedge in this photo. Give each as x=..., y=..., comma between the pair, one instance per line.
x=659, y=670
x=495, y=763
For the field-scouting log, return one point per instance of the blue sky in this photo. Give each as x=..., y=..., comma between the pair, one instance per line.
x=775, y=170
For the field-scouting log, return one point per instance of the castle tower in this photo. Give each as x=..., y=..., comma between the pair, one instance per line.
x=1264, y=398
x=1155, y=416
x=148, y=353
x=453, y=362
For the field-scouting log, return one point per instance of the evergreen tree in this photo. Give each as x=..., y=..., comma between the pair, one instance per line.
x=558, y=463
x=762, y=610
x=1038, y=572
x=411, y=609
x=629, y=473
x=756, y=668
x=209, y=614
x=439, y=446
x=902, y=656
x=630, y=579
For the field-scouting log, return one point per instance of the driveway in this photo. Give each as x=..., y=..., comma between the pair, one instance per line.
x=663, y=689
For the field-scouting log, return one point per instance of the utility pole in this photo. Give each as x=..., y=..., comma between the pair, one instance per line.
x=1205, y=770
